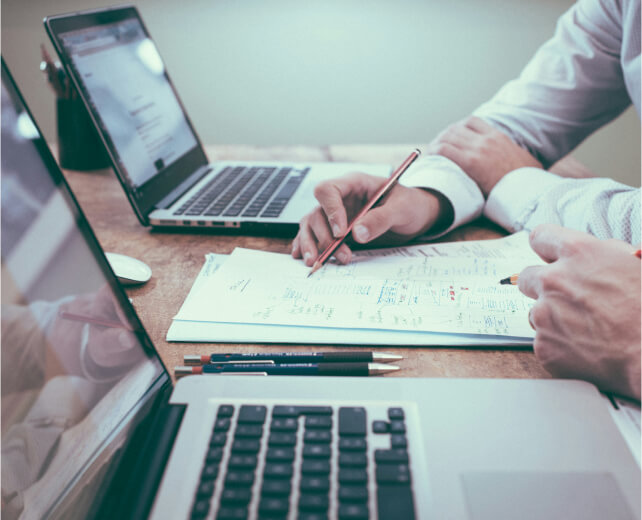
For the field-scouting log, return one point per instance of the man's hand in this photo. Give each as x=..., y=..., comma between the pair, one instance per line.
x=483, y=152
x=403, y=214
x=587, y=314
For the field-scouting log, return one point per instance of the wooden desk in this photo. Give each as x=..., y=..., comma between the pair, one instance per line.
x=176, y=258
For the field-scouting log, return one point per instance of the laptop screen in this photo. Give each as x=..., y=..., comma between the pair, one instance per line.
x=124, y=79
x=76, y=363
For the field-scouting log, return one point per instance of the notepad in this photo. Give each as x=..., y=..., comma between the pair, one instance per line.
x=431, y=294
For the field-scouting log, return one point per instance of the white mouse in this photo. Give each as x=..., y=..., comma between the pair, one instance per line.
x=128, y=270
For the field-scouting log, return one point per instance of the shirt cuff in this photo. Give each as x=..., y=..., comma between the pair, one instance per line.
x=442, y=175
x=515, y=197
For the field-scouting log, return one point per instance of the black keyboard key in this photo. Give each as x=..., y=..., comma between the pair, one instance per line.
x=200, y=508
x=353, y=444
x=318, y=422
x=205, y=489
x=313, y=502
x=315, y=410
x=353, y=460
x=316, y=451
x=218, y=439
x=352, y=476
x=239, y=479
x=393, y=474
x=274, y=506
x=311, y=484
x=225, y=410
x=242, y=462
x=380, y=427
x=396, y=414
x=252, y=414
x=232, y=513
x=236, y=496
x=280, y=454
x=276, y=488
x=222, y=425
x=287, y=424
x=246, y=431
x=317, y=436
x=397, y=427
x=352, y=421
x=285, y=411
x=210, y=472
x=312, y=515
x=353, y=494
x=391, y=456
x=354, y=511
x=398, y=441
x=245, y=446
x=315, y=467
x=281, y=439
x=395, y=502
x=276, y=470
x=214, y=455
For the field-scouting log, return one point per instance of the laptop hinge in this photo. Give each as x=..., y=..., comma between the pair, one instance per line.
x=136, y=481
x=180, y=190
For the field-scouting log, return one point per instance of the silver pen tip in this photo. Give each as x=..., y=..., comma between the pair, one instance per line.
x=381, y=368
x=384, y=357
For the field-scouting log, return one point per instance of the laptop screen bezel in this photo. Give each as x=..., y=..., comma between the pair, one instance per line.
x=162, y=384
x=147, y=196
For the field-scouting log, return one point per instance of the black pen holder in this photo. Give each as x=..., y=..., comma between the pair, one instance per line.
x=79, y=146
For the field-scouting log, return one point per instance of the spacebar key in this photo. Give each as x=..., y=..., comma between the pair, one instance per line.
x=394, y=501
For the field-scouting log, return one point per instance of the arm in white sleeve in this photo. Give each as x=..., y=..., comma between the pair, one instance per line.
x=573, y=85
x=442, y=175
x=528, y=197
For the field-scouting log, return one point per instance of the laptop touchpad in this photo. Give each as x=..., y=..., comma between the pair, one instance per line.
x=534, y=496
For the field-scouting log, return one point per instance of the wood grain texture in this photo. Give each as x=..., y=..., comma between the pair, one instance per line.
x=176, y=258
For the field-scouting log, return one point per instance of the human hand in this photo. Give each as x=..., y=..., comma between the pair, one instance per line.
x=403, y=214
x=587, y=314
x=483, y=152
x=107, y=346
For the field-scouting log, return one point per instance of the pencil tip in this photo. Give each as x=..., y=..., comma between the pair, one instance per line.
x=505, y=281
x=314, y=269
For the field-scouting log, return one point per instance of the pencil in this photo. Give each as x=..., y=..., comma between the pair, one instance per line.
x=94, y=321
x=376, y=198
x=512, y=280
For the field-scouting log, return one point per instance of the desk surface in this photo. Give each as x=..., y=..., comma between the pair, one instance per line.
x=176, y=258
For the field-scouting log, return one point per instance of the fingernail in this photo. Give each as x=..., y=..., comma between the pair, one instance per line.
x=307, y=257
x=360, y=233
x=342, y=256
x=336, y=230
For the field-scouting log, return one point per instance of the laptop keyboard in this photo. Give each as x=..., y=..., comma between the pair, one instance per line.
x=304, y=463
x=245, y=191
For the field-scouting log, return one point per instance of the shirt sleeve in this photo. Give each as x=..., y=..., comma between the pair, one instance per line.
x=442, y=175
x=573, y=85
x=528, y=197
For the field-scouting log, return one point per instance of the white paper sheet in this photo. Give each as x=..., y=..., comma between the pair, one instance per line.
x=392, y=296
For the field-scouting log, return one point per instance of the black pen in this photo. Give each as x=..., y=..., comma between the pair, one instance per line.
x=291, y=369
x=293, y=357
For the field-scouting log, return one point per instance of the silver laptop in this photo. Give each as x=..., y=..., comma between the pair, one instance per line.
x=116, y=68
x=92, y=428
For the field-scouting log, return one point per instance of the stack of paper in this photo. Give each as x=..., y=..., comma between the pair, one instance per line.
x=434, y=294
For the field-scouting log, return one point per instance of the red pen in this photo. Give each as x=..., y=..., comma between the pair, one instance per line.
x=376, y=198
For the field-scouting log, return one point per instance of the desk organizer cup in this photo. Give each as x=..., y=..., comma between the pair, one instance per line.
x=79, y=146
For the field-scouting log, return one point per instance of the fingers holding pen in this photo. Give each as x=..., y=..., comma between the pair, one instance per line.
x=314, y=236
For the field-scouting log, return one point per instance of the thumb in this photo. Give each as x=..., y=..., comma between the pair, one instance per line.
x=551, y=242
x=374, y=223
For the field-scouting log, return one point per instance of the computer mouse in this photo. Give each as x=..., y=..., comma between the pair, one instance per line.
x=128, y=270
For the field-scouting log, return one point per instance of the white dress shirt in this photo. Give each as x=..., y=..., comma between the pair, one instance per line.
x=581, y=79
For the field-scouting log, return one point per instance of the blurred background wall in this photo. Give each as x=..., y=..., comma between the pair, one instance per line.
x=269, y=72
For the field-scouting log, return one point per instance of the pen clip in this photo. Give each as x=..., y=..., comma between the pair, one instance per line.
x=238, y=374
x=245, y=362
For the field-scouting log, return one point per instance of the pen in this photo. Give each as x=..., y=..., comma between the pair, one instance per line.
x=512, y=280
x=293, y=357
x=94, y=321
x=292, y=369
x=376, y=198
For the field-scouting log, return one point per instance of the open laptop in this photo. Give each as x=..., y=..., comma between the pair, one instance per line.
x=92, y=428
x=154, y=149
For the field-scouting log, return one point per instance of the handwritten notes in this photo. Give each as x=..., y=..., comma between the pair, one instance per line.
x=444, y=288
